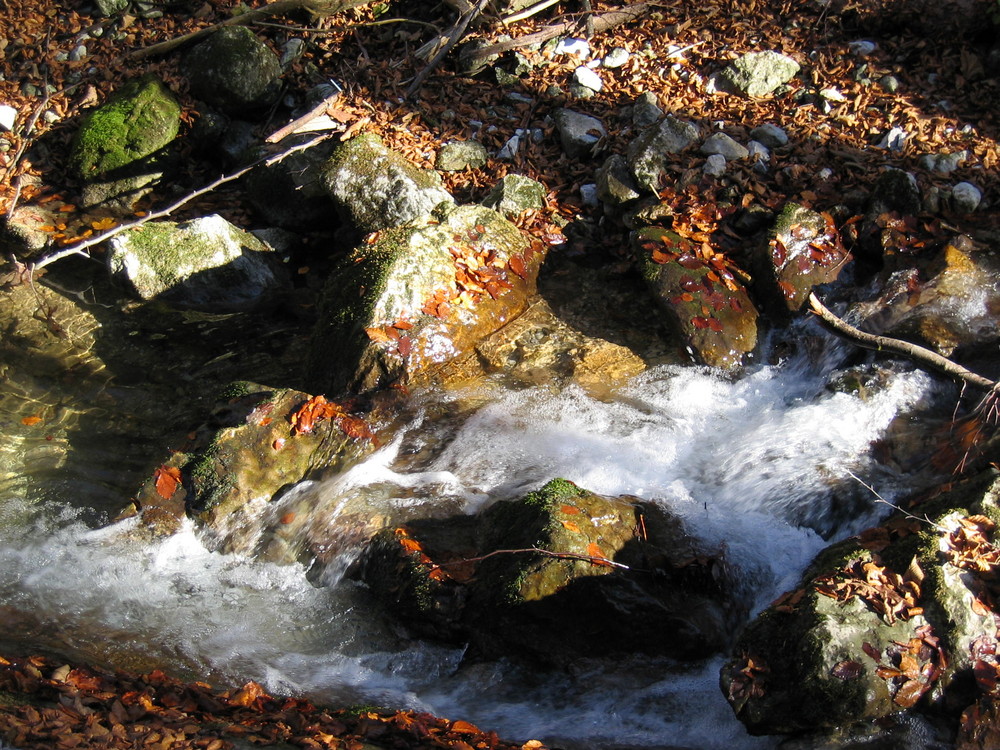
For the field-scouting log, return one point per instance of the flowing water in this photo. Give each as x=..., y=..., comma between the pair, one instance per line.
x=761, y=468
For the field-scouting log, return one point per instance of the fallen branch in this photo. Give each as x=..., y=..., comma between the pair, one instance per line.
x=602, y=23
x=80, y=247
x=277, y=8
x=536, y=550
x=528, y=12
x=454, y=37
x=917, y=353
x=305, y=119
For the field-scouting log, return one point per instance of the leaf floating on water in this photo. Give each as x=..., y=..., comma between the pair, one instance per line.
x=31, y=421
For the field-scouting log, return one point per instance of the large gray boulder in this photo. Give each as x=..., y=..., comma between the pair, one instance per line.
x=758, y=74
x=233, y=70
x=419, y=295
x=203, y=264
x=375, y=188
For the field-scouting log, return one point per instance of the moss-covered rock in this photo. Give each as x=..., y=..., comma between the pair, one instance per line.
x=375, y=188
x=204, y=264
x=705, y=304
x=514, y=194
x=417, y=296
x=139, y=119
x=557, y=575
x=647, y=154
x=120, y=150
x=243, y=457
x=881, y=623
x=802, y=251
x=233, y=70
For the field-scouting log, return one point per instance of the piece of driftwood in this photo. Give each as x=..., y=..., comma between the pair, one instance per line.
x=277, y=8
x=920, y=355
x=602, y=23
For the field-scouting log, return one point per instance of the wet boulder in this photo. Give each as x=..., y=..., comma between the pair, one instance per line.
x=257, y=443
x=705, y=303
x=802, y=251
x=558, y=575
x=204, y=264
x=376, y=188
x=895, y=619
x=120, y=150
x=412, y=298
x=954, y=309
x=233, y=70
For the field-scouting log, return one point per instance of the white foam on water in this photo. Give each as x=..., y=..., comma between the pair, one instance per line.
x=737, y=460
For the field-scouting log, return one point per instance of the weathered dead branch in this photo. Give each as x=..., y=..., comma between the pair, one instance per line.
x=922, y=356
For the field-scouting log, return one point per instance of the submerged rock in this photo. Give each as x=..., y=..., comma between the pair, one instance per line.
x=119, y=149
x=706, y=305
x=583, y=575
x=419, y=295
x=375, y=188
x=205, y=264
x=887, y=621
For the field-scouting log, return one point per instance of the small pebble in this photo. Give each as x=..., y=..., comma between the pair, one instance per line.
x=587, y=78
x=78, y=53
x=862, y=47
x=8, y=116
x=715, y=165
x=966, y=197
x=616, y=58
x=588, y=194
x=572, y=46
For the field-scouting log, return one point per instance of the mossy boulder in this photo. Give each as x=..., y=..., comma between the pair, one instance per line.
x=514, y=194
x=243, y=458
x=802, y=251
x=648, y=154
x=758, y=74
x=120, y=149
x=412, y=298
x=376, y=188
x=888, y=621
x=558, y=575
x=233, y=70
x=139, y=119
x=205, y=264
x=705, y=304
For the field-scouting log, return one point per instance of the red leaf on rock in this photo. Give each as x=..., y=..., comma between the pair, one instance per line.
x=847, y=670
x=699, y=322
x=166, y=480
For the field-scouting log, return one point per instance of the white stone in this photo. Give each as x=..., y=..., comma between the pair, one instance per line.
x=758, y=152
x=8, y=115
x=720, y=143
x=572, y=46
x=587, y=78
x=616, y=58
x=508, y=151
x=894, y=140
x=862, y=47
x=770, y=135
x=966, y=197
x=833, y=95
x=588, y=193
x=715, y=165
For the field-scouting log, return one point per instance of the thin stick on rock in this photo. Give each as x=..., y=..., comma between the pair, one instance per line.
x=918, y=354
x=80, y=247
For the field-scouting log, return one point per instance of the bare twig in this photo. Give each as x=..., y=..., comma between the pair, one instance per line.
x=879, y=498
x=454, y=37
x=308, y=117
x=593, y=560
x=918, y=354
x=528, y=12
x=81, y=247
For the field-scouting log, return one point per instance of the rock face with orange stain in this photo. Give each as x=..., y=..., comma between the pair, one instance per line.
x=412, y=298
x=559, y=574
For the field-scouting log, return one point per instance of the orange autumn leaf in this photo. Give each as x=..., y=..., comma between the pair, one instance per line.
x=569, y=510
x=31, y=421
x=248, y=695
x=464, y=727
x=410, y=545
x=166, y=480
x=594, y=551
x=570, y=526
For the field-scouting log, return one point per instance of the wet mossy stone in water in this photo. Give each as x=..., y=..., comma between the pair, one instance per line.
x=704, y=303
x=205, y=264
x=140, y=119
x=233, y=70
x=375, y=188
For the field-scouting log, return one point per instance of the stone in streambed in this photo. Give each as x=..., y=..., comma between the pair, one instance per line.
x=233, y=70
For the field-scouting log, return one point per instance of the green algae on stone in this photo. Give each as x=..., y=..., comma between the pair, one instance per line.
x=137, y=121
